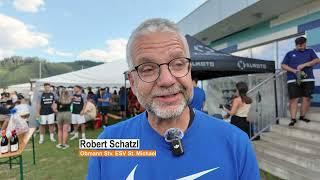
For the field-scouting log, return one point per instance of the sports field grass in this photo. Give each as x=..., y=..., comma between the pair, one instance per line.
x=58, y=164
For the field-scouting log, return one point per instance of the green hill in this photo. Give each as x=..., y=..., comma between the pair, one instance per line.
x=17, y=70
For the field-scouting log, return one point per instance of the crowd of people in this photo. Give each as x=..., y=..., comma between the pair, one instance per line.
x=68, y=110
x=71, y=108
x=10, y=101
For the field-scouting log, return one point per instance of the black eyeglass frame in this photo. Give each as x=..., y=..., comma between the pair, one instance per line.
x=159, y=65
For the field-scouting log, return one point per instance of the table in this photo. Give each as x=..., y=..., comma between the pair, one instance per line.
x=23, y=141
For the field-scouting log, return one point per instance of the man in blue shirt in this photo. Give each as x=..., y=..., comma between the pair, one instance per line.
x=199, y=96
x=298, y=64
x=104, y=104
x=159, y=75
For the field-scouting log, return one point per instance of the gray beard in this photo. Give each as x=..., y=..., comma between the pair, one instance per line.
x=167, y=115
x=155, y=108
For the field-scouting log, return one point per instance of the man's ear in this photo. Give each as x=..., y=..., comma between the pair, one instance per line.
x=131, y=80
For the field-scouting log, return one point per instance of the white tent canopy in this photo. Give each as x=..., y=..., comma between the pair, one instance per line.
x=20, y=86
x=24, y=88
x=107, y=74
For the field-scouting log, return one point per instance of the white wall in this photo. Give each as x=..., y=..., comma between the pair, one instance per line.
x=210, y=13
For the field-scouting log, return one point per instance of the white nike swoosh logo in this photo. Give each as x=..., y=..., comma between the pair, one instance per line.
x=131, y=175
x=191, y=177
x=197, y=175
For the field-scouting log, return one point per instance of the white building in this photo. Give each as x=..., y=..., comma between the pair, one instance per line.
x=262, y=29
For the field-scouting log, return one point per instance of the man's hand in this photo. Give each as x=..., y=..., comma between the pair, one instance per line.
x=101, y=100
x=295, y=71
x=289, y=69
x=301, y=66
x=37, y=115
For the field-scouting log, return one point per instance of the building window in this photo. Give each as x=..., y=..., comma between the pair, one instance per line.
x=274, y=51
x=265, y=52
x=243, y=53
x=284, y=47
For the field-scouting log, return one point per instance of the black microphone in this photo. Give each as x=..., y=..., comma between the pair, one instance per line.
x=174, y=137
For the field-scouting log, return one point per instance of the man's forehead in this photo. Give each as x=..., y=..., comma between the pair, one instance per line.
x=156, y=36
x=170, y=41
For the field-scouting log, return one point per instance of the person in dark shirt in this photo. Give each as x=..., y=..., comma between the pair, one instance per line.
x=298, y=63
x=90, y=94
x=45, y=112
x=79, y=102
x=97, y=95
x=4, y=117
x=123, y=102
x=3, y=96
x=9, y=104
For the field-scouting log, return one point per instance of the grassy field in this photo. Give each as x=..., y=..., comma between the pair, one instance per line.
x=58, y=164
x=266, y=176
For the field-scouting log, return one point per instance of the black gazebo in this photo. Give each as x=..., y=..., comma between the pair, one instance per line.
x=208, y=63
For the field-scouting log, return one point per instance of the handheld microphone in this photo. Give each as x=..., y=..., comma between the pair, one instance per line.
x=174, y=136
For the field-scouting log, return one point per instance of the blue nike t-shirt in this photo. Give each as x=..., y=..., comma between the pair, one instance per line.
x=198, y=99
x=295, y=58
x=213, y=149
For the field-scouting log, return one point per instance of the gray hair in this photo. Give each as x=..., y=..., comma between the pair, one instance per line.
x=150, y=26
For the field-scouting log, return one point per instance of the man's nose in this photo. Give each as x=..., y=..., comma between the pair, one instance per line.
x=165, y=79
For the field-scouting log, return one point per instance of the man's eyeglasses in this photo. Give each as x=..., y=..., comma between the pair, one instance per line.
x=150, y=71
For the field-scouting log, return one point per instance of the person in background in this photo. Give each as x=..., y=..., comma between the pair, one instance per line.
x=298, y=63
x=79, y=102
x=123, y=102
x=132, y=104
x=9, y=104
x=4, y=117
x=90, y=94
x=3, y=96
x=45, y=113
x=114, y=101
x=104, y=104
x=63, y=118
x=115, y=92
x=97, y=95
x=22, y=105
x=90, y=112
x=199, y=96
x=240, y=108
x=14, y=96
x=55, y=91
